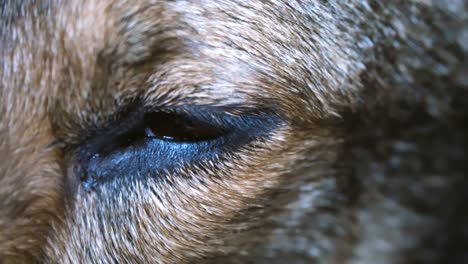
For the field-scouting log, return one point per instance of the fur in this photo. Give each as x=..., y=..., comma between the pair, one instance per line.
x=367, y=164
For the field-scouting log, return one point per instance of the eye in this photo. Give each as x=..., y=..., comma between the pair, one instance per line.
x=153, y=143
x=169, y=126
x=176, y=127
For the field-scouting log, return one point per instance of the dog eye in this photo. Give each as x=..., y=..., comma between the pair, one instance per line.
x=178, y=128
x=156, y=143
x=169, y=126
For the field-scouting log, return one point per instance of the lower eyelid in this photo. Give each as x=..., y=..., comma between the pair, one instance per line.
x=153, y=157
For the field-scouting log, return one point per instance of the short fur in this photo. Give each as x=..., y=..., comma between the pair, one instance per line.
x=367, y=166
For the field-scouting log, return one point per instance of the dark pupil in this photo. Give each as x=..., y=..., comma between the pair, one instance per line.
x=176, y=127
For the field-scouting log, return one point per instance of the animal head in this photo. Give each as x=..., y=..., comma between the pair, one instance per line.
x=265, y=131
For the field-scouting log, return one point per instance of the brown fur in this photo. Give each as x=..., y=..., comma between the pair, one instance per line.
x=71, y=68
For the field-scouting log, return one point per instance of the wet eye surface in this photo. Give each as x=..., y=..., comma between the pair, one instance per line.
x=153, y=143
x=171, y=126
